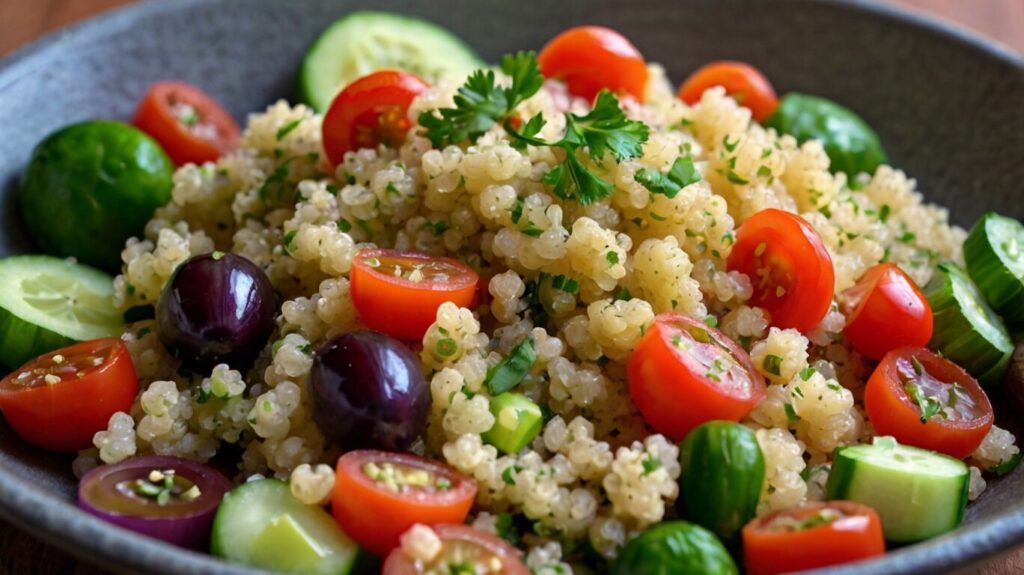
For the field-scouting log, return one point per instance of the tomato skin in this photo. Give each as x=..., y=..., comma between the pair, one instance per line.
x=885, y=310
x=65, y=416
x=376, y=517
x=742, y=81
x=852, y=538
x=592, y=58
x=156, y=117
x=673, y=394
x=401, y=308
x=798, y=291
x=892, y=412
x=398, y=563
x=372, y=110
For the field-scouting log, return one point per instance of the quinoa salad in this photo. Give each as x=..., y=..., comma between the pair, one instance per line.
x=527, y=318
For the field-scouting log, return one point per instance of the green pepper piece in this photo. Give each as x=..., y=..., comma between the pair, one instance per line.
x=517, y=421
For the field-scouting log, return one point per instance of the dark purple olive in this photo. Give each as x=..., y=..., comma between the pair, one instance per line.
x=163, y=497
x=217, y=308
x=369, y=392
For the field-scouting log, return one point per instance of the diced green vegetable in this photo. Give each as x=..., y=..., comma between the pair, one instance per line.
x=917, y=493
x=674, y=548
x=48, y=303
x=261, y=524
x=511, y=371
x=364, y=42
x=851, y=145
x=517, y=421
x=966, y=330
x=994, y=253
x=722, y=471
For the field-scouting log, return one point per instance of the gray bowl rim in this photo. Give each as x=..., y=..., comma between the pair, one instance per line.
x=63, y=525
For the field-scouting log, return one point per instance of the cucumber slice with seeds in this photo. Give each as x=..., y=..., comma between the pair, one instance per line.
x=994, y=251
x=364, y=42
x=966, y=330
x=47, y=303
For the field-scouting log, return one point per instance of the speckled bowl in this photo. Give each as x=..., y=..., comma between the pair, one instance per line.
x=947, y=105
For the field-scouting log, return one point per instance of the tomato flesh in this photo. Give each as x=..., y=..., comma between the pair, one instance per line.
x=60, y=400
x=745, y=83
x=379, y=495
x=188, y=123
x=463, y=550
x=398, y=293
x=593, y=58
x=815, y=535
x=371, y=111
x=912, y=384
x=683, y=373
x=789, y=267
x=885, y=310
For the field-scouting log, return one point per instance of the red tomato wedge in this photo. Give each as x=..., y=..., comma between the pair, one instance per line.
x=471, y=549
x=380, y=495
x=788, y=265
x=885, y=310
x=190, y=125
x=398, y=293
x=927, y=401
x=745, y=83
x=58, y=401
x=815, y=535
x=684, y=373
x=371, y=111
x=593, y=58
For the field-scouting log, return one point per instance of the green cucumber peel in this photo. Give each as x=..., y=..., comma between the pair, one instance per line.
x=994, y=253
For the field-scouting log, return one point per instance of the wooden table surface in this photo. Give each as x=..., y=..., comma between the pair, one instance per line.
x=21, y=21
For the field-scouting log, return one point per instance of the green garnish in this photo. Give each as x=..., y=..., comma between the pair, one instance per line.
x=791, y=414
x=217, y=255
x=773, y=364
x=650, y=464
x=1008, y=465
x=612, y=258
x=929, y=405
x=506, y=529
x=511, y=370
x=288, y=238
x=446, y=347
x=287, y=129
x=807, y=372
x=883, y=213
x=565, y=283
x=681, y=174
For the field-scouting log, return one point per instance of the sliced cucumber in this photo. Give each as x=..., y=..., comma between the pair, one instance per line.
x=994, y=251
x=363, y=42
x=966, y=330
x=261, y=524
x=917, y=493
x=47, y=303
x=517, y=421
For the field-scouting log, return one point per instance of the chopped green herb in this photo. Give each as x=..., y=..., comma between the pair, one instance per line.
x=790, y=412
x=764, y=172
x=681, y=174
x=508, y=476
x=1008, y=465
x=565, y=283
x=929, y=406
x=730, y=146
x=650, y=464
x=344, y=225
x=532, y=231
x=446, y=347
x=807, y=372
x=511, y=371
x=883, y=213
x=736, y=178
x=506, y=529
x=773, y=364
x=623, y=295
x=711, y=320
x=798, y=392
x=288, y=128
x=306, y=348
x=918, y=368
x=907, y=237
x=517, y=211
x=612, y=258
x=439, y=227
x=288, y=238
x=216, y=255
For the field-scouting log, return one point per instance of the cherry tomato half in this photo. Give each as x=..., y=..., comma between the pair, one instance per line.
x=371, y=111
x=190, y=125
x=927, y=401
x=745, y=83
x=592, y=58
x=789, y=267
x=379, y=495
x=58, y=401
x=684, y=373
x=815, y=535
x=885, y=310
x=398, y=293
x=462, y=545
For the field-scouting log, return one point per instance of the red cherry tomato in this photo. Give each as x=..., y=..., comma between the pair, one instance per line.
x=684, y=373
x=885, y=310
x=58, y=401
x=398, y=293
x=742, y=81
x=789, y=266
x=379, y=495
x=190, y=125
x=371, y=111
x=592, y=58
x=927, y=401
x=812, y=536
x=471, y=549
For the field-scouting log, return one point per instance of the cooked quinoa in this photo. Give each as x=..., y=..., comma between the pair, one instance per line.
x=589, y=474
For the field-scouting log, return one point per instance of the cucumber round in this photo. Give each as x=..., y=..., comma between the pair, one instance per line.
x=917, y=493
x=966, y=330
x=261, y=524
x=364, y=42
x=994, y=253
x=47, y=303
x=722, y=472
x=674, y=548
